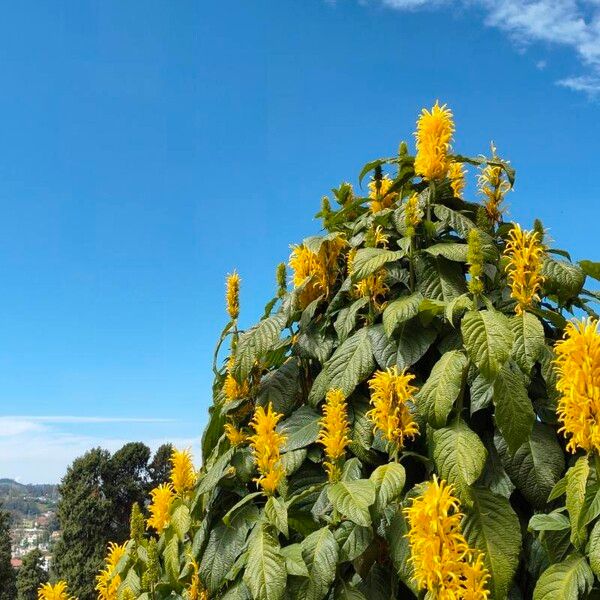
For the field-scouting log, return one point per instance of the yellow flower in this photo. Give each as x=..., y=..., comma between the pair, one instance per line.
x=433, y=135
x=266, y=446
x=160, y=506
x=378, y=193
x=412, y=215
x=578, y=365
x=183, y=474
x=317, y=271
x=475, y=262
x=195, y=590
x=443, y=563
x=234, y=435
x=231, y=388
x=493, y=186
x=232, y=295
x=525, y=254
x=373, y=286
x=58, y=591
x=390, y=392
x=334, y=431
x=456, y=174
x=107, y=581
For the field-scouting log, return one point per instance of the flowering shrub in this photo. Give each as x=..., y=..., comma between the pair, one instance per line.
x=414, y=418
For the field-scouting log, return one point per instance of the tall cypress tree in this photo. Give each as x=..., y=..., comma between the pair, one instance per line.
x=30, y=576
x=7, y=573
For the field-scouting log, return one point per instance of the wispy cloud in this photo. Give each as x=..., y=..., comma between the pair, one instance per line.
x=572, y=24
x=39, y=448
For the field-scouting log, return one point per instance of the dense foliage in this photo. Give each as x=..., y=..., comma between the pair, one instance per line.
x=7, y=574
x=96, y=496
x=30, y=576
x=389, y=428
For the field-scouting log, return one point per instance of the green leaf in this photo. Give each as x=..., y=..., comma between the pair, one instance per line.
x=514, y=413
x=276, y=513
x=437, y=396
x=400, y=310
x=536, y=466
x=181, y=521
x=265, y=573
x=553, y=521
x=280, y=387
x=567, y=580
x=294, y=563
x=577, y=477
x=352, y=499
x=454, y=220
x=320, y=553
x=384, y=349
x=491, y=525
x=590, y=268
x=413, y=342
x=171, y=557
x=562, y=278
x=439, y=278
x=346, y=320
x=459, y=456
x=400, y=554
x=350, y=364
x=215, y=473
x=529, y=340
x=593, y=549
x=369, y=260
x=389, y=481
x=450, y=250
x=352, y=540
x=300, y=429
x=558, y=490
x=488, y=340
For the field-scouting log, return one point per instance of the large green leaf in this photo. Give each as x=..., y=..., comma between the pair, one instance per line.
x=450, y=250
x=346, y=320
x=352, y=540
x=593, y=549
x=369, y=260
x=301, y=429
x=413, y=342
x=280, y=387
x=536, y=466
x=400, y=310
x=350, y=364
x=567, y=580
x=436, y=398
x=529, y=340
x=491, y=525
x=562, y=278
x=265, y=573
x=439, y=278
x=577, y=477
x=488, y=340
x=396, y=535
x=591, y=268
x=353, y=498
x=454, y=220
x=514, y=413
x=389, y=481
x=320, y=553
x=255, y=343
x=459, y=456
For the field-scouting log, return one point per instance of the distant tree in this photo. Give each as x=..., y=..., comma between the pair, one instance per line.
x=30, y=576
x=7, y=573
x=96, y=499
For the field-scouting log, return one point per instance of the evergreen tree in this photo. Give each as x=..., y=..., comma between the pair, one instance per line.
x=30, y=576
x=160, y=467
x=7, y=573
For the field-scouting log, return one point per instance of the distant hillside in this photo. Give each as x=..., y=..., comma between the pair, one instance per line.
x=27, y=500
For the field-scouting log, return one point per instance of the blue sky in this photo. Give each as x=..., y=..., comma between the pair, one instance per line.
x=150, y=148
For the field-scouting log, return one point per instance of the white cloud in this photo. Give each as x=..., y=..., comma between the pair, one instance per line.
x=573, y=24
x=39, y=449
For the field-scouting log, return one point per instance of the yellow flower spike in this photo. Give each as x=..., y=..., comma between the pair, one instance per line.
x=380, y=198
x=266, y=444
x=525, y=254
x=235, y=436
x=442, y=561
x=373, y=286
x=493, y=186
x=390, y=392
x=231, y=388
x=578, y=365
x=183, y=474
x=412, y=215
x=232, y=295
x=195, y=590
x=475, y=262
x=317, y=271
x=160, y=506
x=334, y=431
x=456, y=174
x=380, y=239
x=433, y=138
x=58, y=591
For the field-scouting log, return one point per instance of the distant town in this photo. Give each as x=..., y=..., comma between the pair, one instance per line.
x=34, y=522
